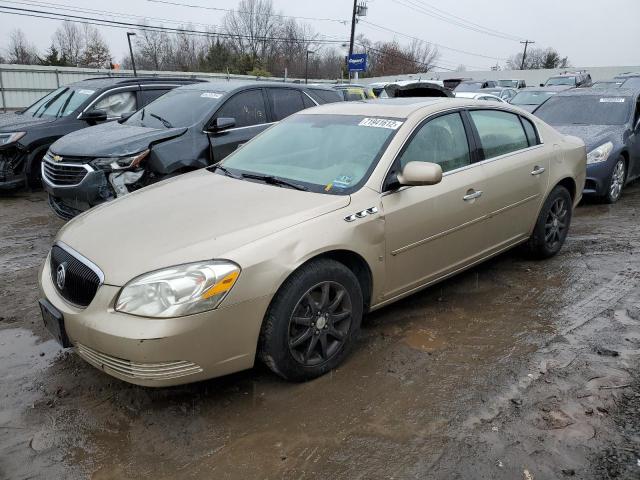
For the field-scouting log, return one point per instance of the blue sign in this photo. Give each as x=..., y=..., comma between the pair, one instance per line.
x=357, y=62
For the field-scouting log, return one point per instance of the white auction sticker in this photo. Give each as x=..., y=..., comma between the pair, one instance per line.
x=612, y=100
x=380, y=123
x=211, y=95
x=86, y=92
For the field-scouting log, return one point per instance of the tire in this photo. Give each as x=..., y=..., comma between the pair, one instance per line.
x=34, y=175
x=552, y=225
x=310, y=327
x=616, y=182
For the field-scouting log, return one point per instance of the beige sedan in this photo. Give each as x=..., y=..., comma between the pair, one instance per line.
x=277, y=252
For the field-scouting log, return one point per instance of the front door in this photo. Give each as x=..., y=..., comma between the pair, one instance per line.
x=434, y=230
x=248, y=108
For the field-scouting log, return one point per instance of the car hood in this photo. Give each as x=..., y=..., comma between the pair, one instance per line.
x=12, y=122
x=197, y=216
x=112, y=139
x=593, y=135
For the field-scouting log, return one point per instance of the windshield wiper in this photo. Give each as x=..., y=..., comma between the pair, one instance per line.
x=227, y=172
x=165, y=122
x=271, y=180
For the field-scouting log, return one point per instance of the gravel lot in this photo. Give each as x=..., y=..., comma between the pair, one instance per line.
x=513, y=370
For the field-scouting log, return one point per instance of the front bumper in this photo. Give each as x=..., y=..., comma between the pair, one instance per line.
x=599, y=176
x=159, y=352
x=69, y=201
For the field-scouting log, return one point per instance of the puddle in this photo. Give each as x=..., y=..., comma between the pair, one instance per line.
x=426, y=340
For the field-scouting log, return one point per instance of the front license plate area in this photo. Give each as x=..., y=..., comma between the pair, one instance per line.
x=54, y=321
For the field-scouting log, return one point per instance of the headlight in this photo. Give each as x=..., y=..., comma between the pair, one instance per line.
x=178, y=291
x=600, y=154
x=7, y=138
x=122, y=163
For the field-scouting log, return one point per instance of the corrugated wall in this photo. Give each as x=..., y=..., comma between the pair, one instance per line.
x=21, y=85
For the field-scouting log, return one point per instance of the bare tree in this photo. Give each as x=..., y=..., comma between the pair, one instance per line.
x=69, y=40
x=423, y=55
x=96, y=53
x=20, y=51
x=538, y=58
x=154, y=50
x=249, y=28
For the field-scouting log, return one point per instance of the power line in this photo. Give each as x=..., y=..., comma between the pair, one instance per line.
x=432, y=43
x=218, y=9
x=118, y=24
x=75, y=9
x=451, y=19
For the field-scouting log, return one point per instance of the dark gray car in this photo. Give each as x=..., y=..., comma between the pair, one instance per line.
x=532, y=97
x=608, y=121
x=189, y=128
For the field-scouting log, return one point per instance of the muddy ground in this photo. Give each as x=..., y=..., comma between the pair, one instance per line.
x=513, y=370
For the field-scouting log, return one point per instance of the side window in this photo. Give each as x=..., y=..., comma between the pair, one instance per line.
x=149, y=95
x=530, y=131
x=500, y=132
x=636, y=117
x=247, y=108
x=117, y=104
x=326, y=96
x=442, y=140
x=285, y=102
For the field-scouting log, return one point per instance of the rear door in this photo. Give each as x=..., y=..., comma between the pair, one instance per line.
x=634, y=143
x=516, y=168
x=249, y=109
x=434, y=230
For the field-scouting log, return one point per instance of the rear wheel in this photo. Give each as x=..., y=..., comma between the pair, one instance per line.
x=552, y=225
x=616, y=182
x=312, y=322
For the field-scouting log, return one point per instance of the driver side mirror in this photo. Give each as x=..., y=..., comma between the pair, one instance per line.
x=94, y=115
x=420, y=173
x=542, y=84
x=222, y=123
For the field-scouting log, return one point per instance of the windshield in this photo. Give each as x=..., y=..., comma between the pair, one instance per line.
x=469, y=87
x=177, y=108
x=331, y=154
x=585, y=110
x=560, y=81
x=508, y=83
x=60, y=103
x=531, y=98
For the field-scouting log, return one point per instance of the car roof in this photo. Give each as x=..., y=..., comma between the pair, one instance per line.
x=228, y=86
x=401, y=107
x=104, y=82
x=604, y=92
x=554, y=88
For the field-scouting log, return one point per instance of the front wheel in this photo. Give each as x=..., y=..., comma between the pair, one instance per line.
x=552, y=225
x=312, y=322
x=616, y=182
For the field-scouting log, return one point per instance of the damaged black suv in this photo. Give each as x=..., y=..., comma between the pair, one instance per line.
x=188, y=128
x=25, y=136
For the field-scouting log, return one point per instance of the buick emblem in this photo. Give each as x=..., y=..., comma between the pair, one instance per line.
x=61, y=275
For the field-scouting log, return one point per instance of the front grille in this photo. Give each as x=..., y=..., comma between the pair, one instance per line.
x=80, y=281
x=63, y=174
x=136, y=370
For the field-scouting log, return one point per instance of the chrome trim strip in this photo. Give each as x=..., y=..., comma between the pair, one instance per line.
x=86, y=166
x=310, y=98
x=82, y=259
x=460, y=109
x=464, y=225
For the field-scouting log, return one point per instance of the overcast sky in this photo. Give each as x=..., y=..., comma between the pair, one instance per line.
x=590, y=33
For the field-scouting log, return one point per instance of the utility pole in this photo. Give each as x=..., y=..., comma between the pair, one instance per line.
x=526, y=44
x=306, y=67
x=353, y=26
x=133, y=61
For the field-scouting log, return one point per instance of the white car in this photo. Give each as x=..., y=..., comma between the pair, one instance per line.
x=479, y=96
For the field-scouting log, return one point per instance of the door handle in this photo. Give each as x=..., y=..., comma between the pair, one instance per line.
x=472, y=195
x=537, y=170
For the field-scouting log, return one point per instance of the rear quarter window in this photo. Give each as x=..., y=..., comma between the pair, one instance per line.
x=325, y=96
